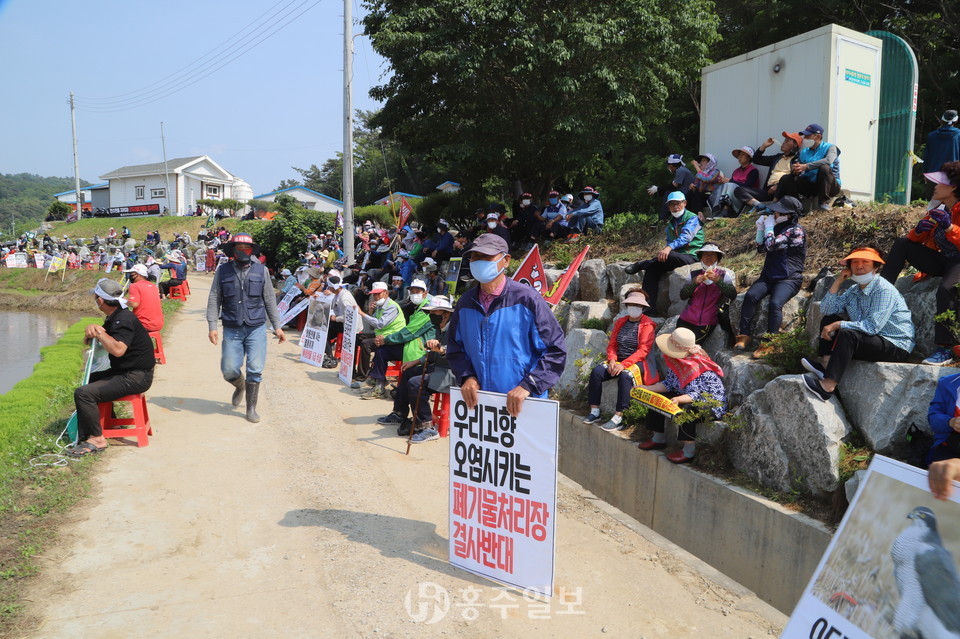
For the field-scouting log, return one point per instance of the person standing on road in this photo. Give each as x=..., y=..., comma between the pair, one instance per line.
x=242, y=297
x=503, y=336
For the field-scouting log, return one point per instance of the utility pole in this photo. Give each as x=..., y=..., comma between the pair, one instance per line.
x=76, y=161
x=348, y=238
x=166, y=173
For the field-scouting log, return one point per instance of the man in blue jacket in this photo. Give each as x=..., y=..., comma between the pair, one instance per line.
x=587, y=217
x=944, y=418
x=943, y=146
x=503, y=335
x=817, y=171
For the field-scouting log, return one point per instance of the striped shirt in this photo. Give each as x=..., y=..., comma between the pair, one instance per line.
x=628, y=339
x=876, y=309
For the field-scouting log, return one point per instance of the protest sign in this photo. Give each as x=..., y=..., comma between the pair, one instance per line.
x=313, y=342
x=293, y=312
x=405, y=211
x=531, y=271
x=56, y=264
x=351, y=321
x=17, y=260
x=503, y=490
x=318, y=317
x=284, y=304
x=886, y=574
x=40, y=260
x=555, y=294
x=656, y=401
x=452, y=275
x=201, y=262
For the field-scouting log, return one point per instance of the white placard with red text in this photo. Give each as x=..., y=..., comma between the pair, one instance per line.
x=503, y=490
x=854, y=592
x=284, y=304
x=351, y=320
x=314, y=342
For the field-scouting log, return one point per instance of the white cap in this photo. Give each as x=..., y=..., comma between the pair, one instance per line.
x=418, y=284
x=378, y=286
x=285, y=272
x=429, y=261
x=139, y=269
x=493, y=216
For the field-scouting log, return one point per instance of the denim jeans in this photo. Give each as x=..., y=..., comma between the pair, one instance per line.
x=249, y=341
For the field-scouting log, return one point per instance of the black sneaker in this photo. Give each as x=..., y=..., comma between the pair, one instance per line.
x=813, y=385
x=404, y=428
x=813, y=367
x=633, y=269
x=392, y=419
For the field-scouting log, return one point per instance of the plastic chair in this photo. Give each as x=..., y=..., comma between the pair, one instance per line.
x=393, y=370
x=186, y=287
x=176, y=293
x=157, y=347
x=138, y=426
x=441, y=413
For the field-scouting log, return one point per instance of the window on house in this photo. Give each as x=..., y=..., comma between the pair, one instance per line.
x=213, y=190
x=158, y=193
x=138, y=192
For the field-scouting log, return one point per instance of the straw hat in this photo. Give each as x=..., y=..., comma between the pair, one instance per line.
x=677, y=344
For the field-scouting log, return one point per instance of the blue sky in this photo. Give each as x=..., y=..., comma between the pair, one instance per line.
x=277, y=106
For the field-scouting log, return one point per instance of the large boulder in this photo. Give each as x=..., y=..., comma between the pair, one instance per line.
x=814, y=314
x=791, y=312
x=883, y=399
x=675, y=281
x=921, y=298
x=788, y=439
x=554, y=274
x=585, y=347
x=714, y=344
x=594, y=282
x=618, y=277
x=742, y=375
x=581, y=311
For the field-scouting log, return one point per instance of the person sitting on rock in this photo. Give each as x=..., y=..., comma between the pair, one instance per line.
x=878, y=328
x=682, y=179
x=784, y=241
x=629, y=359
x=684, y=238
x=588, y=217
x=933, y=247
x=691, y=377
x=707, y=179
x=944, y=419
x=709, y=288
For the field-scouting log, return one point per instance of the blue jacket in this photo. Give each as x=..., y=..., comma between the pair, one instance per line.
x=942, y=408
x=943, y=145
x=593, y=211
x=518, y=342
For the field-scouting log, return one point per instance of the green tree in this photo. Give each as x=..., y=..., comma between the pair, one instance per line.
x=59, y=210
x=532, y=90
x=283, y=239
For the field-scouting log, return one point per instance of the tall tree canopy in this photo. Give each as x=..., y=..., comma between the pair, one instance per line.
x=532, y=90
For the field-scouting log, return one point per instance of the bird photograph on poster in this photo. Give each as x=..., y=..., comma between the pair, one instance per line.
x=893, y=569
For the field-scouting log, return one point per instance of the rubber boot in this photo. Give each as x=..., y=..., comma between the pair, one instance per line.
x=253, y=389
x=238, y=393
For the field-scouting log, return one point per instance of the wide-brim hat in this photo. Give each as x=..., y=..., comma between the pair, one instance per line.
x=637, y=297
x=938, y=177
x=383, y=248
x=589, y=190
x=788, y=205
x=439, y=303
x=865, y=253
x=677, y=344
x=240, y=238
x=710, y=248
x=743, y=149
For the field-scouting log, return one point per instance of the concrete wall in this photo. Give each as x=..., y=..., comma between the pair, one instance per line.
x=754, y=541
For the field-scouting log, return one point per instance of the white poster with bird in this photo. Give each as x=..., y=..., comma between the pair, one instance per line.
x=890, y=571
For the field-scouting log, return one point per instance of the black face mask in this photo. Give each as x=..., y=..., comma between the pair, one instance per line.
x=436, y=320
x=242, y=257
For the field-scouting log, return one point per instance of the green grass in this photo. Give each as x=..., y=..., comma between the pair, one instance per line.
x=138, y=226
x=31, y=281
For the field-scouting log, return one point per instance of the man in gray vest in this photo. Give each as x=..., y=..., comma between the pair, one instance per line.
x=242, y=296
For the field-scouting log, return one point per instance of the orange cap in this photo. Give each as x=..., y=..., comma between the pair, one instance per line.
x=863, y=254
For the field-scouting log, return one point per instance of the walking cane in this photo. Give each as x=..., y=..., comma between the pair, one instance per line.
x=416, y=407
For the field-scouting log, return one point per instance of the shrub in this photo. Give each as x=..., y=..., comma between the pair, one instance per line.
x=595, y=323
x=788, y=348
x=284, y=238
x=380, y=214
x=455, y=208
x=635, y=414
x=627, y=221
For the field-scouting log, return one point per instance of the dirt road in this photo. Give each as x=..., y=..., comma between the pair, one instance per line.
x=314, y=524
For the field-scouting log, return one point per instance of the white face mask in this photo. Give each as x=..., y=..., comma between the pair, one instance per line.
x=808, y=143
x=677, y=214
x=633, y=312
x=866, y=278
x=416, y=298
x=587, y=198
x=779, y=219
x=525, y=202
x=381, y=301
x=492, y=225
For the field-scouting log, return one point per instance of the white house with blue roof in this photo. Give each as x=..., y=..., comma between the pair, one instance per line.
x=308, y=199
x=93, y=196
x=395, y=198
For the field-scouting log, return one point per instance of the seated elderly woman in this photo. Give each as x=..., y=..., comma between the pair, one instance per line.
x=628, y=361
x=724, y=202
x=691, y=377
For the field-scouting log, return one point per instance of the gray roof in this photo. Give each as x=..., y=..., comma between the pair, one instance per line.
x=149, y=169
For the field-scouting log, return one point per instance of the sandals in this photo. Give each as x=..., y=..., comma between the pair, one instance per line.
x=83, y=449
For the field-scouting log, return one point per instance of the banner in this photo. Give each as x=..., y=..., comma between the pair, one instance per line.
x=57, y=264
x=17, y=260
x=293, y=312
x=452, y=275
x=313, y=341
x=318, y=313
x=140, y=210
x=284, y=304
x=339, y=229
x=351, y=321
x=656, y=401
x=554, y=295
x=40, y=260
x=405, y=211
x=531, y=272
x=201, y=262
x=887, y=573
x=503, y=490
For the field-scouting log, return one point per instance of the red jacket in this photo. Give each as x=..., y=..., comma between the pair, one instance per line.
x=643, y=356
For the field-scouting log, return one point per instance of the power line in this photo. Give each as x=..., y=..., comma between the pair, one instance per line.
x=182, y=82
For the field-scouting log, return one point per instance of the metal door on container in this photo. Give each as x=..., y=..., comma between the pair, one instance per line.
x=856, y=114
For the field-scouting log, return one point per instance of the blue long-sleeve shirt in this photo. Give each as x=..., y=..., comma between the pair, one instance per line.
x=943, y=408
x=592, y=211
x=876, y=309
x=179, y=269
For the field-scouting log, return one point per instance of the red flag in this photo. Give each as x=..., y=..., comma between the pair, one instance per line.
x=405, y=211
x=531, y=272
x=554, y=295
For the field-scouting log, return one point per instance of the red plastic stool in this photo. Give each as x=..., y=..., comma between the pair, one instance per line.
x=186, y=287
x=393, y=370
x=157, y=347
x=138, y=426
x=338, y=346
x=176, y=293
x=441, y=413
